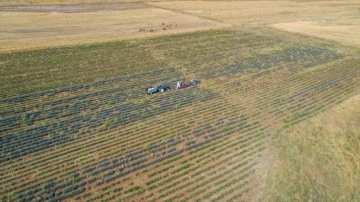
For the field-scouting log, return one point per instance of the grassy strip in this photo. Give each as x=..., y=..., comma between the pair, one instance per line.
x=320, y=157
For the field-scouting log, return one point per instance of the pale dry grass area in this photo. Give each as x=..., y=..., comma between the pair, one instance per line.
x=334, y=20
x=47, y=2
x=344, y=34
x=318, y=160
x=31, y=30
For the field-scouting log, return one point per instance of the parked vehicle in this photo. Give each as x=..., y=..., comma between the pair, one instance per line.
x=181, y=85
x=159, y=88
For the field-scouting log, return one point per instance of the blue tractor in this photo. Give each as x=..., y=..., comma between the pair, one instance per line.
x=159, y=88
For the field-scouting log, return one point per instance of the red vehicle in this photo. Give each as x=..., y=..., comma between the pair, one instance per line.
x=181, y=85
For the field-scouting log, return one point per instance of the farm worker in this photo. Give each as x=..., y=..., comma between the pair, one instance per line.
x=178, y=85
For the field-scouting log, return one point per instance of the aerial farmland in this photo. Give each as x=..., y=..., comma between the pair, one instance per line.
x=275, y=115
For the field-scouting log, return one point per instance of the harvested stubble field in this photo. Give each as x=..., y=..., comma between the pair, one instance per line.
x=76, y=124
x=24, y=27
